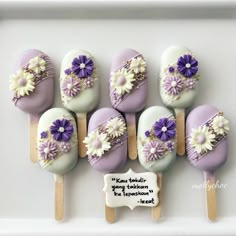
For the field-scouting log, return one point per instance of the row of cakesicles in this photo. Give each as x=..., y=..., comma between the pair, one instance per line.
x=160, y=132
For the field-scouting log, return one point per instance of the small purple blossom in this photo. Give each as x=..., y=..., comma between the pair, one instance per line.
x=89, y=82
x=61, y=130
x=48, y=150
x=171, y=69
x=82, y=66
x=65, y=147
x=190, y=84
x=44, y=134
x=164, y=129
x=70, y=87
x=187, y=65
x=173, y=85
x=170, y=145
x=67, y=71
x=147, y=133
x=153, y=151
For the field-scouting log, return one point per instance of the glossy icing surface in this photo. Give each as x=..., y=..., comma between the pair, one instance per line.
x=128, y=81
x=57, y=141
x=153, y=150
x=178, y=77
x=211, y=159
x=41, y=97
x=110, y=154
x=79, y=86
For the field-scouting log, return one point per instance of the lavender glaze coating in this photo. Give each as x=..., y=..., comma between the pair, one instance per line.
x=43, y=96
x=136, y=100
x=115, y=158
x=215, y=158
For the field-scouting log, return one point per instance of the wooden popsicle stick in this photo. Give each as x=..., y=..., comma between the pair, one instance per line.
x=156, y=211
x=58, y=197
x=132, y=140
x=82, y=132
x=33, y=129
x=210, y=192
x=109, y=214
x=180, y=131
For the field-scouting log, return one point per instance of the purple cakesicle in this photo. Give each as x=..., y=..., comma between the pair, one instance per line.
x=32, y=86
x=207, y=145
x=107, y=140
x=128, y=90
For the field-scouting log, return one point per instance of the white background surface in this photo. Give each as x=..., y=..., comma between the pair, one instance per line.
x=26, y=203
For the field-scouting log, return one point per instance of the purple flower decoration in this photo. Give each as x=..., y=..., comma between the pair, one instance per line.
x=67, y=71
x=170, y=145
x=153, y=151
x=65, y=147
x=147, y=133
x=171, y=69
x=44, y=134
x=82, y=66
x=61, y=130
x=190, y=84
x=187, y=65
x=173, y=85
x=164, y=129
x=70, y=87
x=48, y=150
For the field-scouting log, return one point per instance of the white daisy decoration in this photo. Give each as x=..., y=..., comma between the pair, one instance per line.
x=37, y=64
x=220, y=125
x=22, y=83
x=121, y=81
x=138, y=65
x=115, y=127
x=202, y=139
x=97, y=143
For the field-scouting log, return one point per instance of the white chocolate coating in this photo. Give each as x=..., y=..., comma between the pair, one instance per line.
x=67, y=161
x=146, y=120
x=87, y=99
x=170, y=57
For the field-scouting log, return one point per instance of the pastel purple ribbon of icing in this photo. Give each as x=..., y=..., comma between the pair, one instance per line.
x=193, y=156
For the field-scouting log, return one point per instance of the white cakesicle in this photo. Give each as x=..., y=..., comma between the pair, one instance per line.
x=87, y=99
x=146, y=122
x=185, y=98
x=64, y=161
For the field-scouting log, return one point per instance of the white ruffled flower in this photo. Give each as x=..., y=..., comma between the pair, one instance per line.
x=115, y=127
x=37, y=64
x=201, y=139
x=22, y=83
x=97, y=143
x=138, y=65
x=220, y=125
x=121, y=81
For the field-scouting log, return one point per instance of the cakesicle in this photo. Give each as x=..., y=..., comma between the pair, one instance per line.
x=57, y=149
x=128, y=90
x=157, y=144
x=107, y=144
x=207, y=147
x=79, y=89
x=179, y=78
x=32, y=86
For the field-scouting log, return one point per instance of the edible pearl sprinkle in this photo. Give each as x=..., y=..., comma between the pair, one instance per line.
x=164, y=129
x=61, y=129
x=82, y=66
x=153, y=150
x=187, y=65
x=173, y=83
